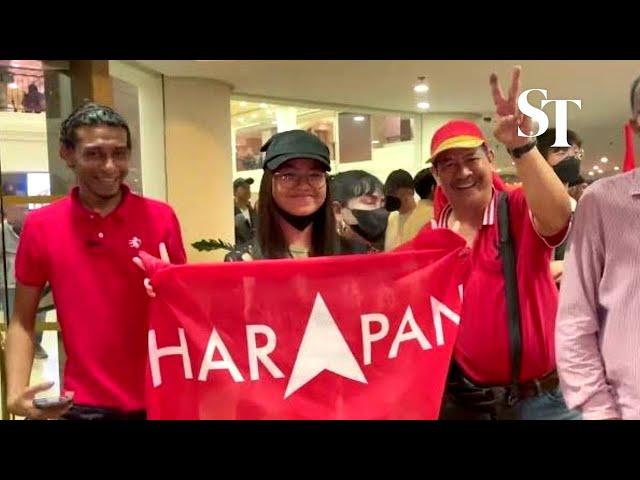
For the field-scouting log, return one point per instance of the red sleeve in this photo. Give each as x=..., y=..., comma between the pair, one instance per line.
x=173, y=241
x=31, y=265
x=522, y=217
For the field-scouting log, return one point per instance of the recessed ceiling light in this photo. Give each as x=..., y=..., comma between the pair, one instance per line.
x=591, y=174
x=499, y=170
x=604, y=159
x=595, y=167
x=423, y=105
x=358, y=118
x=616, y=168
x=421, y=86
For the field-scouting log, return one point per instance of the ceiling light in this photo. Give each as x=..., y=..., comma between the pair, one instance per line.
x=499, y=170
x=358, y=118
x=423, y=105
x=591, y=173
x=421, y=86
x=616, y=168
x=375, y=142
x=604, y=159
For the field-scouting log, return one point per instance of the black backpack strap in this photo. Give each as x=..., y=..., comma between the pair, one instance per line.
x=507, y=253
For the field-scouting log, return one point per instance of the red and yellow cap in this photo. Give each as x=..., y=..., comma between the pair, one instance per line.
x=456, y=134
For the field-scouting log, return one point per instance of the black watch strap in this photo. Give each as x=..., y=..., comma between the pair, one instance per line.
x=518, y=152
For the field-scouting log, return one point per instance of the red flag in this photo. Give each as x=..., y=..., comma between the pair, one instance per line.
x=629, y=161
x=352, y=337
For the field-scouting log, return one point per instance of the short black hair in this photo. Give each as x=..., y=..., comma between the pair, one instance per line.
x=424, y=182
x=396, y=180
x=91, y=114
x=548, y=138
x=353, y=184
x=242, y=182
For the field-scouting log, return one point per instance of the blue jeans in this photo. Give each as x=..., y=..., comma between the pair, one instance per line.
x=546, y=406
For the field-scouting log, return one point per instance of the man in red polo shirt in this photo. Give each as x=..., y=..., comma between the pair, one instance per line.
x=83, y=245
x=498, y=373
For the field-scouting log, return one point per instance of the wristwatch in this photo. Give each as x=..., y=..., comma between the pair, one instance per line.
x=518, y=152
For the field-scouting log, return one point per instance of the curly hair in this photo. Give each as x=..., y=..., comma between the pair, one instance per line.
x=91, y=114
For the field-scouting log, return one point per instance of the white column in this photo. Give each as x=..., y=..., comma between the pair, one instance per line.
x=286, y=118
x=199, y=167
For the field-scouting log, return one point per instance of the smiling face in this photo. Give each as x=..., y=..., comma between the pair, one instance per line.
x=299, y=186
x=465, y=175
x=100, y=159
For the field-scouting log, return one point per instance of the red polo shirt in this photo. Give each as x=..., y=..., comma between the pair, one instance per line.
x=98, y=291
x=483, y=349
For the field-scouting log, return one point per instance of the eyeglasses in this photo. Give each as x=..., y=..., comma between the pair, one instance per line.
x=291, y=180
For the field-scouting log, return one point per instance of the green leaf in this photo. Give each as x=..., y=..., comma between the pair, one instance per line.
x=210, y=245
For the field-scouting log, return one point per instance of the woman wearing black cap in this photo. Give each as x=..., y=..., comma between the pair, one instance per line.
x=295, y=219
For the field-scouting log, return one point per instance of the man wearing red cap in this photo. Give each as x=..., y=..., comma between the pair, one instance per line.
x=504, y=365
x=597, y=330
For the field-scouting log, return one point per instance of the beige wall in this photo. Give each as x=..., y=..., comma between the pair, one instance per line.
x=387, y=159
x=23, y=142
x=152, y=146
x=198, y=157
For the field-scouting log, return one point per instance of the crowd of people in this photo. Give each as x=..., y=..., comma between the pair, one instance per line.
x=547, y=328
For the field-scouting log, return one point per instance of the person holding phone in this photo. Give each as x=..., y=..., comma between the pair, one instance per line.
x=82, y=246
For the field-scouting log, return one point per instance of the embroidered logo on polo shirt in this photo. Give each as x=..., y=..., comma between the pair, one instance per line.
x=135, y=242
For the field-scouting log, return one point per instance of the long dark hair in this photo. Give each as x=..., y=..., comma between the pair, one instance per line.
x=271, y=241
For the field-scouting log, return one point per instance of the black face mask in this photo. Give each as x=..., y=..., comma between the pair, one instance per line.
x=391, y=203
x=568, y=170
x=297, y=222
x=371, y=223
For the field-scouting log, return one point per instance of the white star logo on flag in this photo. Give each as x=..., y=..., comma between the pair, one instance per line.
x=323, y=348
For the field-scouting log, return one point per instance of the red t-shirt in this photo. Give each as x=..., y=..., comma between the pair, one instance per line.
x=98, y=291
x=483, y=349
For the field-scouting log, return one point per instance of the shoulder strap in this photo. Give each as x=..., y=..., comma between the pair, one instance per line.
x=507, y=254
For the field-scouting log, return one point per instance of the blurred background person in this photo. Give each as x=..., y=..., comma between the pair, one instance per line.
x=358, y=206
x=245, y=216
x=424, y=185
x=400, y=201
